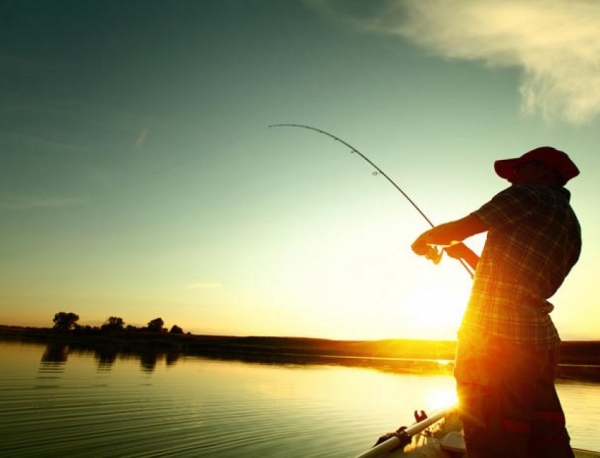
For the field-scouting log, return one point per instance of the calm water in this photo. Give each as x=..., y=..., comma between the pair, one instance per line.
x=59, y=403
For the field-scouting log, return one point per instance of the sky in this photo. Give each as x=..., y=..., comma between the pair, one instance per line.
x=139, y=177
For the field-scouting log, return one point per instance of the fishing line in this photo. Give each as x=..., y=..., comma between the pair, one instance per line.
x=378, y=171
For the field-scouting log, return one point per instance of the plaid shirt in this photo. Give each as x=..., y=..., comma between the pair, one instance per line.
x=533, y=242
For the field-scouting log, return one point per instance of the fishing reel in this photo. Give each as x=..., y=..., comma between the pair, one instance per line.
x=434, y=254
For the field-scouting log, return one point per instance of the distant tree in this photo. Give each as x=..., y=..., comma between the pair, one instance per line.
x=113, y=324
x=87, y=329
x=176, y=330
x=65, y=321
x=156, y=325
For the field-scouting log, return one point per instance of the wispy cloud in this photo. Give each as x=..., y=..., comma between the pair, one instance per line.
x=72, y=125
x=555, y=44
x=210, y=285
x=16, y=202
x=141, y=138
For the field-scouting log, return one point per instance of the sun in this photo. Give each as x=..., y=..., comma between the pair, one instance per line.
x=435, y=309
x=440, y=398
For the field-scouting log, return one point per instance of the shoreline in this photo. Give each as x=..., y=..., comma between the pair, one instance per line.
x=572, y=353
x=580, y=360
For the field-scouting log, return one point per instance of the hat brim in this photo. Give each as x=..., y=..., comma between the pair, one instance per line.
x=505, y=168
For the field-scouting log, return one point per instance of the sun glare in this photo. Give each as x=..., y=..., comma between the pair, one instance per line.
x=437, y=309
x=439, y=398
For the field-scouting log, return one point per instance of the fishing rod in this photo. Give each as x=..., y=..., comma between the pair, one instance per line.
x=435, y=256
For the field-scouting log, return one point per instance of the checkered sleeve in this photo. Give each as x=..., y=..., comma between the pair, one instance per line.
x=510, y=206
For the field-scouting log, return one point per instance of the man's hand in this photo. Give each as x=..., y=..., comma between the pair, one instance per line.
x=423, y=247
x=420, y=246
x=448, y=236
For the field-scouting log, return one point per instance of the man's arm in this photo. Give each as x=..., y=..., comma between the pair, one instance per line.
x=462, y=251
x=449, y=234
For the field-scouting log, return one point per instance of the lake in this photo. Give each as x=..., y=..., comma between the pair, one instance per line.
x=61, y=403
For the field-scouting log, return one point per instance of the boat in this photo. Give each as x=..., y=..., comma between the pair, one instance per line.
x=438, y=435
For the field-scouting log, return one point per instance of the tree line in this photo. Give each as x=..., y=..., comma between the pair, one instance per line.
x=66, y=321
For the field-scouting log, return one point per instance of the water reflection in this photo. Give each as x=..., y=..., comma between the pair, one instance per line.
x=52, y=365
x=57, y=352
x=148, y=361
x=105, y=358
x=171, y=358
x=391, y=365
x=218, y=407
x=56, y=355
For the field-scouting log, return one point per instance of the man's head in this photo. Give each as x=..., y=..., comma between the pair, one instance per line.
x=544, y=165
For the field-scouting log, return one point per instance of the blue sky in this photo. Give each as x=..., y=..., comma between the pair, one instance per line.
x=139, y=177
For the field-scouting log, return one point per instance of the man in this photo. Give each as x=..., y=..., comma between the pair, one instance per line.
x=507, y=344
